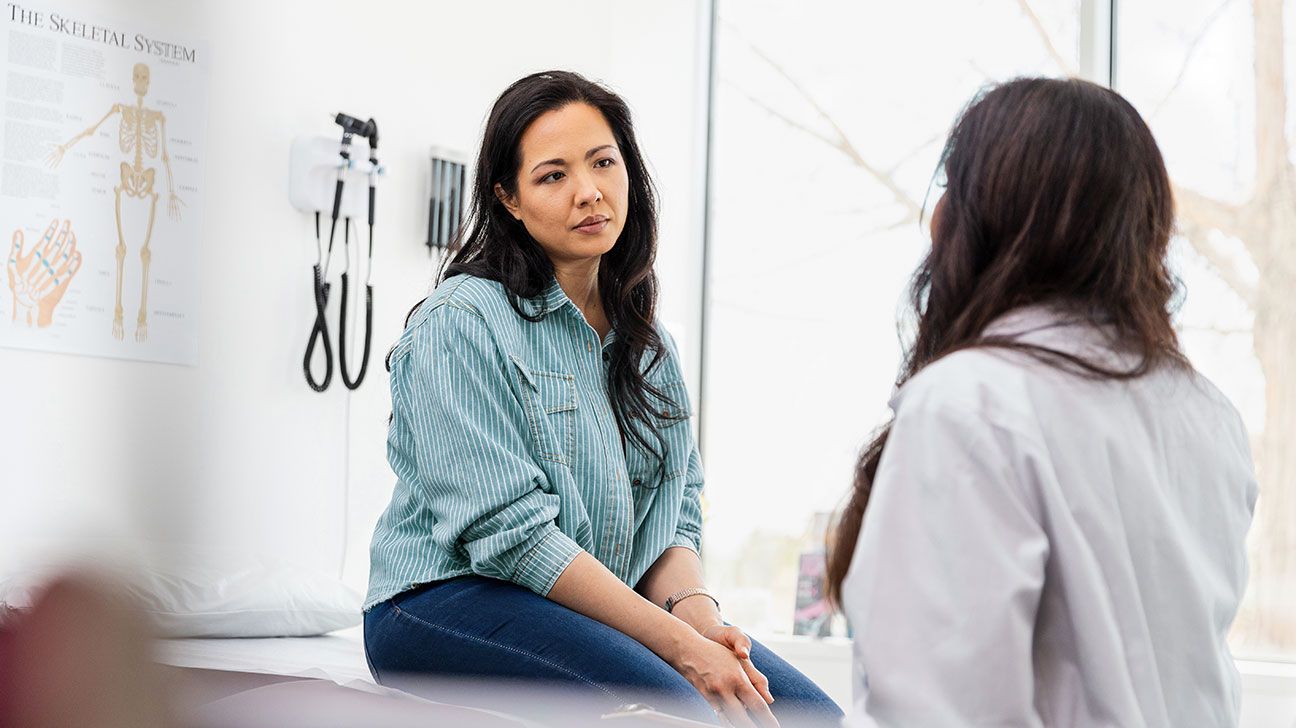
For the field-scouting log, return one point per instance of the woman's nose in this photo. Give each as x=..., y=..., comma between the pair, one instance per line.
x=587, y=192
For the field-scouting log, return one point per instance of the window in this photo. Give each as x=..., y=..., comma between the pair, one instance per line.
x=827, y=129
x=829, y=121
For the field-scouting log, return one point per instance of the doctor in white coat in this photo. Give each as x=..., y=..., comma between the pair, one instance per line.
x=1050, y=532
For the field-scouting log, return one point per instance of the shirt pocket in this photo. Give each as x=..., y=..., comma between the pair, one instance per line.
x=549, y=399
x=670, y=420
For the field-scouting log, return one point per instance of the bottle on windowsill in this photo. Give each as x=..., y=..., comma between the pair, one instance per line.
x=814, y=615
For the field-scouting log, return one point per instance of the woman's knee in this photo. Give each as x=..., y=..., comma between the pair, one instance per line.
x=796, y=696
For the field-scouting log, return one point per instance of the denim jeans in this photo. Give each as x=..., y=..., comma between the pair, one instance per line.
x=474, y=627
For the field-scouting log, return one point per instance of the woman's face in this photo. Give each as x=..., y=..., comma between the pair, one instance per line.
x=572, y=186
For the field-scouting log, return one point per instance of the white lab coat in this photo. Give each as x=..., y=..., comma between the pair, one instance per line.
x=1042, y=549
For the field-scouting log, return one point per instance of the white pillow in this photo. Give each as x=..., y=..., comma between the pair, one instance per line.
x=256, y=599
x=204, y=594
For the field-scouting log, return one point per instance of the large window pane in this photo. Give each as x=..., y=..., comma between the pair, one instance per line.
x=1214, y=80
x=829, y=119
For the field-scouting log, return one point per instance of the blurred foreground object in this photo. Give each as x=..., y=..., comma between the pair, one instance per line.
x=79, y=656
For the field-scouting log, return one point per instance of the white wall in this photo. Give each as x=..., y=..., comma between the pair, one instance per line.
x=238, y=450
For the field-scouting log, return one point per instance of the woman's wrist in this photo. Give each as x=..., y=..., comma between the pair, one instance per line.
x=698, y=612
x=679, y=641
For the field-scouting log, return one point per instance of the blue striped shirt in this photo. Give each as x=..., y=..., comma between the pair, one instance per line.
x=508, y=455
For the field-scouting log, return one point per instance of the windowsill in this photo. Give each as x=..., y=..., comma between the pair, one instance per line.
x=816, y=647
x=828, y=661
x=1268, y=676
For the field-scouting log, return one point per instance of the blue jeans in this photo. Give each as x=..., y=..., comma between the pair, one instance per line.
x=473, y=627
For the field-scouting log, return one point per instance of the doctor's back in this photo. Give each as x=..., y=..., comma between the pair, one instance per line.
x=1051, y=531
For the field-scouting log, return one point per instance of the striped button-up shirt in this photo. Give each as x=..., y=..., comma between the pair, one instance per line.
x=508, y=455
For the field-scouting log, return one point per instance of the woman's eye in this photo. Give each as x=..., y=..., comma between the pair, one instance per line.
x=605, y=162
x=551, y=177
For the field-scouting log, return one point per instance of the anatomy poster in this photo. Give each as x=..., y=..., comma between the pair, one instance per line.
x=101, y=186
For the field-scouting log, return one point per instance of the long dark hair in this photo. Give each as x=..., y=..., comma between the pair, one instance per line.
x=1056, y=193
x=495, y=245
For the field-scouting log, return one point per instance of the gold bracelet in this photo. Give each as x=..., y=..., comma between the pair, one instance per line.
x=680, y=596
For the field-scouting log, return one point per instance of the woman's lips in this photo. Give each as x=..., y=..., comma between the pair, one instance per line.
x=592, y=228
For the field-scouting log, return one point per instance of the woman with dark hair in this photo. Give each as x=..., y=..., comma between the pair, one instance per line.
x=547, y=519
x=1056, y=514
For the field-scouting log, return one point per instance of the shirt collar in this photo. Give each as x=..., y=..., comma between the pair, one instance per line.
x=1053, y=326
x=1054, y=321
x=551, y=299
x=554, y=298
x=1029, y=319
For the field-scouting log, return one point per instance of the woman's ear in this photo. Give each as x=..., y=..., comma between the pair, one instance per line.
x=509, y=201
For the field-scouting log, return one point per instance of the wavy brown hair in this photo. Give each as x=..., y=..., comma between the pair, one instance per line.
x=1056, y=193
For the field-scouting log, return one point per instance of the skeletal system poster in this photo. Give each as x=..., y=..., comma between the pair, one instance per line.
x=100, y=186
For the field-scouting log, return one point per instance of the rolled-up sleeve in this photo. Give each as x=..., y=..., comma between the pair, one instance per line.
x=688, y=528
x=688, y=524
x=468, y=440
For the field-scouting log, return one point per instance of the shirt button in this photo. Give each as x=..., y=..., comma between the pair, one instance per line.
x=605, y=356
x=637, y=481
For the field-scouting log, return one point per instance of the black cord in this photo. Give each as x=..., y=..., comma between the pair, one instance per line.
x=368, y=339
x=319, y=333
x=350, y=383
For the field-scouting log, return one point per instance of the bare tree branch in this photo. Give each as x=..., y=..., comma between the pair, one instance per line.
x=832, y=252
x=1208, y=212
x=1061, y=62
x=979, y=70
x=1188, y=55
x=1197, y=211
x=840, y=141
x=915, y=152
x=834, y=143
x=1224, y=266
x=912, y=210
x=1219, y=330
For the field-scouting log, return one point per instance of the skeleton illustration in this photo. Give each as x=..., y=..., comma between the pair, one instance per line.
x=142, y=132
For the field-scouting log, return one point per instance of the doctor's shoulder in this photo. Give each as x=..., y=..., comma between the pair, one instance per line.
x=980, y=383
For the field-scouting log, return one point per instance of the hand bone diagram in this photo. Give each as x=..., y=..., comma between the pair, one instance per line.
x=39, y=276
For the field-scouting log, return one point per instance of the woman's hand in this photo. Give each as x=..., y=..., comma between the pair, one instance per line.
x=725, y=681
x=702, y=615
x=740, y=645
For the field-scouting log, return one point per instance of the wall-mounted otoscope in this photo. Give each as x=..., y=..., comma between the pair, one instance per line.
x=310, y=162
x=353, y=127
